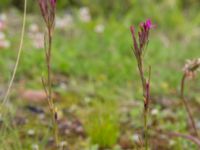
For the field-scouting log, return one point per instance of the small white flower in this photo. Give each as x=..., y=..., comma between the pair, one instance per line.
x=154, y=112
x=64, y=22
x=2, y=36
x=33, y=28
x=4, y=44
x=3, y=17
x=99, y=28
x=63, y=144
x=84, y=14
x=35, y=147
x=31, y=132
x=136, y=138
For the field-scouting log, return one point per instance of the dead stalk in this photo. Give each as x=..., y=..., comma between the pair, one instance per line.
x=187, y=106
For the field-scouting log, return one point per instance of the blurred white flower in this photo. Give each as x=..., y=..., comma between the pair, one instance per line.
x=38, y=40
x=2, y=36
x=1, y=25
x=31, y=132
x=99, y=28
x=136, y=138
x=84, y=14
x=63, y=144
x=36, y=36
x=35, y=147
x=64, y=22
x=154, y=112
x=3, y=17
x=33, y=28
x=4, y=44
x=172, y=142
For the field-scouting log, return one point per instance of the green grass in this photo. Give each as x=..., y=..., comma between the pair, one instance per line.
x=102, y=125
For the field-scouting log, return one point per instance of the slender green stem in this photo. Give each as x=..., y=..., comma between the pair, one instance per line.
x=18, y=55
x=49, y=65
x=146, y=100
x=140, y=67
x=55, y=128
x=146, y=128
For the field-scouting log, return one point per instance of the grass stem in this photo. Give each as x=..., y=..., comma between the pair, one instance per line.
x=18, y=54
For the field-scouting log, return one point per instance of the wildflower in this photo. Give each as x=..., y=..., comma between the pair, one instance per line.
x=139, y=45
x=99, y=28
x=84, y=14
x=53, y=3
x=148, y=25
x=47, y=8
x=143, y=37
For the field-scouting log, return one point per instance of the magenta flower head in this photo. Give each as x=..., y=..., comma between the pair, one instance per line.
x=48, y=8
x=143, y=36
x=53, y=3
x=148, y=24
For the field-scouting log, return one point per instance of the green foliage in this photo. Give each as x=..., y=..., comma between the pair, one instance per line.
x=10, y=137
x=102, y=125
x=5, y=3
x=63, y=4
x=107, y=7
x=19, y=4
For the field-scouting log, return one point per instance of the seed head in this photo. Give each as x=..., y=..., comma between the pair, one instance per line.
x=192, y=67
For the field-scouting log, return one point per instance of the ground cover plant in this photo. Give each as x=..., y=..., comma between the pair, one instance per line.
x=95, y=81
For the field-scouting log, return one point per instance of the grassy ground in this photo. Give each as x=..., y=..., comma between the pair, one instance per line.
x=98, y=89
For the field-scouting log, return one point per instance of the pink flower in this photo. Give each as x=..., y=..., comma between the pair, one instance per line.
x=143, y=36
x=47, y=8
x=53, y=3
x=148, y=24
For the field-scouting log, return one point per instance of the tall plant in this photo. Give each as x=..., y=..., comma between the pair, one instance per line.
x=48, y=10
x=139, y=46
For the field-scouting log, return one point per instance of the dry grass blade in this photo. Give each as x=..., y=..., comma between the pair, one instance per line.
x=18, y=55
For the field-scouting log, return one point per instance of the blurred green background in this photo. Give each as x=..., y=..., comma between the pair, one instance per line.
x=95, y=72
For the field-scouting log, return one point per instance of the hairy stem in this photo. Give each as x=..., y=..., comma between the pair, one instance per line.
x=187, y=106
